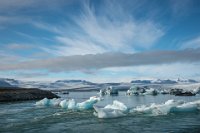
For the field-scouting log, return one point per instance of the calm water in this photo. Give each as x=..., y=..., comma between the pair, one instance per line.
x=26, y=117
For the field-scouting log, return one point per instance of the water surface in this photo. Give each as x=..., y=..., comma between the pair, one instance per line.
x=26, y=117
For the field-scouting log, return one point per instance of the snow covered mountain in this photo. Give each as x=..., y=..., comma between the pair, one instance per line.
x=164, y=81
x=179, y=80
x=60, y=84
x=4, y=84
x=86, y=85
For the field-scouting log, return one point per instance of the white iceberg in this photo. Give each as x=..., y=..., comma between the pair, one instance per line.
x=157, y=109
x=187, y=107
x=64, y=104
x=48, y=102
x=54, y=102
x=88, y=104
x=117, y=109
x=108, y=113
x=71, y=104
x=150, y=91
x=170, y=106
x=117, y=106
x=43, y=102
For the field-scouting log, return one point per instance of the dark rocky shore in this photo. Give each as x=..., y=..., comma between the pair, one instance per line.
x=22, y=94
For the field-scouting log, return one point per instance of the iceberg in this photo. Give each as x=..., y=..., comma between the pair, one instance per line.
x=170, y=106
x=117, y=109
x=117, y=106
x=43, y=102
x=54, y=102
x=64, y=104
x=48, y=102
x=150, y=91
x=187, y=107
x=136, y=90
x=108, y=113
x=157, y=109
x=88, y=104
x=69, y=104
x=196, y=91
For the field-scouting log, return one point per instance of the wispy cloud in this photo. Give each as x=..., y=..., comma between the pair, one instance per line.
x=192, y=43
x=16, y=46
x=181, y=7
x=16, y=5
x=111, y=30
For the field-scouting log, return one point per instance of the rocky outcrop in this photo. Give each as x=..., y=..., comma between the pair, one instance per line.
x=21, y=94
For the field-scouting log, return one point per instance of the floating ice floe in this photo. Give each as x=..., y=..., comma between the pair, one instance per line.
x=69, y=104
x=117, y=105
x=170, y=106
x=88, y=104
x=48, y=102
x=157, y=109
x=136, y=90
x=63, y=104
x=186, y=107
x=109, y=91
x=117, y=109
x=150, y=91
x=196, y=90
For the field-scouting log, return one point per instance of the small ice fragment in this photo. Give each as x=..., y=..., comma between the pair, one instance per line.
x=71, y=104
x=43, y=102
x=64, y=104
x=88, y=104
x=108, y=113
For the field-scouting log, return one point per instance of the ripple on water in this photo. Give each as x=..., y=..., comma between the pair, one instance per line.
x=25, y=117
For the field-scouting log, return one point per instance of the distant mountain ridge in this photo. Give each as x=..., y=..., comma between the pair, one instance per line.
x=86, y=85
x=59, y=84
x=164, y=81
x=4, y=84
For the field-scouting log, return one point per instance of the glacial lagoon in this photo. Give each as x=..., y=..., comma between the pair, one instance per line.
x=27, y=117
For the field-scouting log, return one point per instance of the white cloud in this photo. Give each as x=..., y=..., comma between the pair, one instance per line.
x=193, y=43
x=110, y=30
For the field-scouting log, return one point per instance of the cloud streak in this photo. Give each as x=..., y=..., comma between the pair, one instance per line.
x=108, y=29
x=193, y=43
x=106, y=60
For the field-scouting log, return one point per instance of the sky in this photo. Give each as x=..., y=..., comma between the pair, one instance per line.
x=99, y=40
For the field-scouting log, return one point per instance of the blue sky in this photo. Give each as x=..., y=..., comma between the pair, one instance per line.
x=100, y=41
